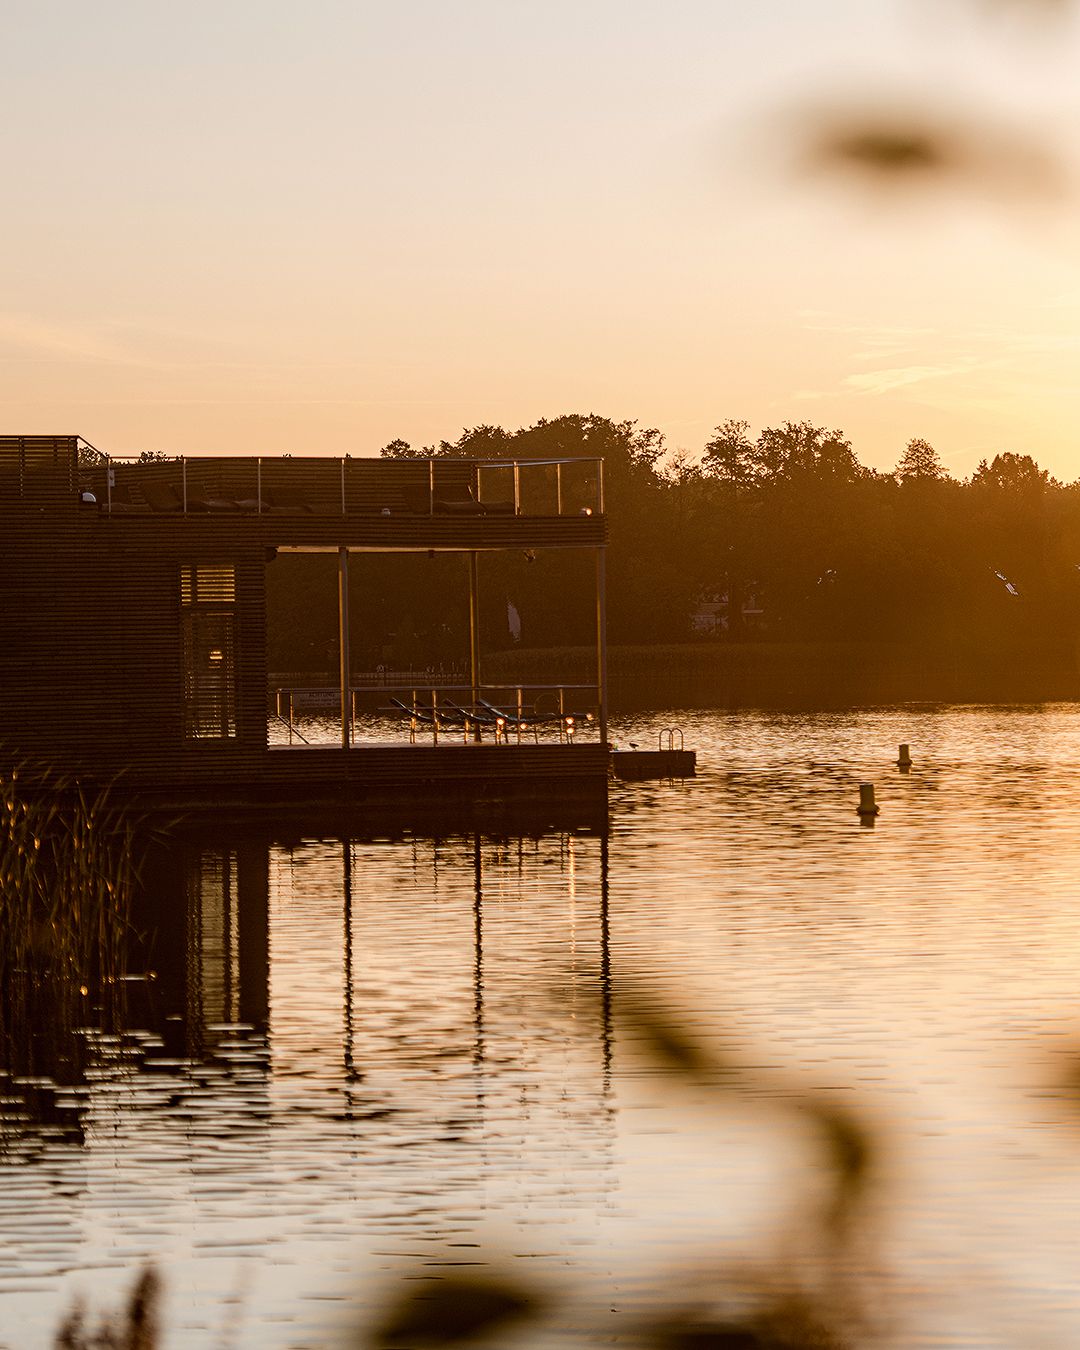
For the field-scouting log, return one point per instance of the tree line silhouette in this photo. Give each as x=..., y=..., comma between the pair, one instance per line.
x=832, y=551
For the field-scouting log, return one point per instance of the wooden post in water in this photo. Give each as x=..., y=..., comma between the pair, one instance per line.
x=867, y=806
x=343, y=641
x=904, y=758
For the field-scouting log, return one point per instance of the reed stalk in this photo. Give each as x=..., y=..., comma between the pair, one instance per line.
x=67, y=878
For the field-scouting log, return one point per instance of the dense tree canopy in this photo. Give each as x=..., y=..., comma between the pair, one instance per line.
x=783, y=535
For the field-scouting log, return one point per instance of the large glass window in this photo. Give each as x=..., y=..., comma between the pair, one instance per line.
x=208, y=608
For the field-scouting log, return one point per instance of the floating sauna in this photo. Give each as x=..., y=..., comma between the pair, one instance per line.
x=134, y=604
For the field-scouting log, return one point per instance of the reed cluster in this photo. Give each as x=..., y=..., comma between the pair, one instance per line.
x=67, y=878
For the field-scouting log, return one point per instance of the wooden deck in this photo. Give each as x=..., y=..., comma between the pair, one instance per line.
x=379, y=777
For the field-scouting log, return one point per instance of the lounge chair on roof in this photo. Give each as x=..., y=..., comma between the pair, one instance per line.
x=282, y=500
x=417, y=500
x=457, y=499
x=452, y=499
x=161, y=497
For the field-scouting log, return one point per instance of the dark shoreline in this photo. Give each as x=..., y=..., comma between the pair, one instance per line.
x=803, y=674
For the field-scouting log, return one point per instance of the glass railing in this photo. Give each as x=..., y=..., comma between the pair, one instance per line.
x=311, y=485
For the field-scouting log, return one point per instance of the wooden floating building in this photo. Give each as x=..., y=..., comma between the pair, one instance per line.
x=134, y=601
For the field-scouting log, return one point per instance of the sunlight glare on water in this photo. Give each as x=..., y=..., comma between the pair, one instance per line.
x=366, y=1059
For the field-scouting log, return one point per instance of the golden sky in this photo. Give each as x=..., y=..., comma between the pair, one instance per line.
x=253, y=226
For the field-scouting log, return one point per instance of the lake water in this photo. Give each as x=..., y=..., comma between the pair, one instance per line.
x=362, y=1062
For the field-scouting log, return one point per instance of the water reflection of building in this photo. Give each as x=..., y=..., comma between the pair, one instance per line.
x=417, y=1026
x=203, y=905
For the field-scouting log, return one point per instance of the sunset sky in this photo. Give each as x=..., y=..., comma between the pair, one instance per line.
x=263, y=227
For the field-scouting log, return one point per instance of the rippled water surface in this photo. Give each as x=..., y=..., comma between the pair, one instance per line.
x=362, y=1060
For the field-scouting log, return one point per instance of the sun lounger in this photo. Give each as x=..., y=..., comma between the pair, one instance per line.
x=284, y=501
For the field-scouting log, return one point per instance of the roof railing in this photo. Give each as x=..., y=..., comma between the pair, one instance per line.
x=346, y=485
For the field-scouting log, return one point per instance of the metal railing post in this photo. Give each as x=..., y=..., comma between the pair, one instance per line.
x=558, y=488
x=517, y=488
x=183, y=480
x=108, y=482
x=343, y=511
x=258, y=484
x=431, y=487
x=600, y=485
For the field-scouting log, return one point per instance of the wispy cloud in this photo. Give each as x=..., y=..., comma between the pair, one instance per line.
x=899, y=377
x=28, y=339
x=970, y=369
x=871, y=334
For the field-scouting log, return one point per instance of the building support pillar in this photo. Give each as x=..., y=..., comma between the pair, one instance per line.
x=474, y=635
x=343, y=645
x=601, y=640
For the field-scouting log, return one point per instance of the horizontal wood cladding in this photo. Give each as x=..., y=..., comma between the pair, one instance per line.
x=444, y=764
x=91, y=668
x=446, y=777
x=99, y=611
x=38, y=473
x=148, y=534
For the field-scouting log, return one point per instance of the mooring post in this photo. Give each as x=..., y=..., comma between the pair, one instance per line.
x=904, y=758
x=474, y=637
x=867, y=806
x=343, y=641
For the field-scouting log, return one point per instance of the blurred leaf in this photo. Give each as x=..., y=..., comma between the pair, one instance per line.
x=1040, y=9
x=850, y=1155
x=718, y=1337
x=786, y=1321
x=458, y=1308
x=1067, y=1078
x=142, y=1312
x=137, y=1330
x=665, y=1041
x=889, y=149
x=908, y=147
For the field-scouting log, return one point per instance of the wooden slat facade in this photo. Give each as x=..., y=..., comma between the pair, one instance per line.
x=92, y=668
